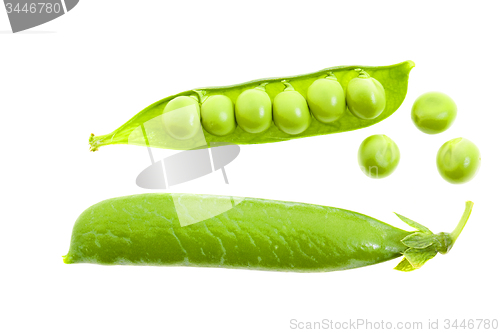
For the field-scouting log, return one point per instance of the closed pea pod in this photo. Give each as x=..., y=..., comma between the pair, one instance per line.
x=232, y=232
x=365, y=96
x=326, y=99
x=181, y=117
x=290, y=111
x=217, y=115
x=254, y=110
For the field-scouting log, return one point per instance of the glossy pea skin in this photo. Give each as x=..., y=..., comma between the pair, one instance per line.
x=365, y=97
x=326, y=99
x=433, y=112
x=181, y=117
x=217, y=115
x=290, y=112
x=254, y=110
x=378, y=156
x=253, y=234
x=458, y=160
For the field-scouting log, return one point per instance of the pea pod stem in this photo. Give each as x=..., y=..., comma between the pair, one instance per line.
x=362, y=73
x=262, y=86
x=423, y=245
x=202, y=95
x=463, y=221
x=331, y=76
x=288, y=86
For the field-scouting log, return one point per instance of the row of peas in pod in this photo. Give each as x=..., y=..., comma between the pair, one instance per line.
x=254, y=112
x=333, y=100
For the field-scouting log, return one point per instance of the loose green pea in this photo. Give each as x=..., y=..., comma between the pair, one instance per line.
x=290, y=112
x=458, y=160
x=326, y=99
x=365, y=96
x=433, y=112
x=217, y=115
x=378, y=156
x=254, y=110
x=181, y=117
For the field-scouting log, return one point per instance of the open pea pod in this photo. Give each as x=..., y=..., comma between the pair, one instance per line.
x=147, y=128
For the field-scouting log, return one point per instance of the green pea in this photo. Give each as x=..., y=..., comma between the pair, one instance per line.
x=458, y=160
x=326, y=99
x=378, y=156
x=181, y=117
x=290, y=112
x=365, y=96
x=433, y=112
x=163, y=229
x=254, y=110
x=217, y=115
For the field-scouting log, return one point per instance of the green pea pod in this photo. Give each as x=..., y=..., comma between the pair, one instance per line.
x=147, y=129
x=164, y=229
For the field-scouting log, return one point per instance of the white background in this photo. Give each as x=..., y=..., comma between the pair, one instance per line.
x=100, y=64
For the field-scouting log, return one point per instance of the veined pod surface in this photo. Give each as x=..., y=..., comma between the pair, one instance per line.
x=393, y=78
x=164, y=229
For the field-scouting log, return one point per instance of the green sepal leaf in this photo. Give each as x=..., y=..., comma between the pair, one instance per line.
x=419, y=240
x=404, y=266
x=423, y=245
x=418, y=257
x=414, y=224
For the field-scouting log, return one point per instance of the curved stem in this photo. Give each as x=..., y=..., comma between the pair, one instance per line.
x=262, y=86
x=195, y=97
x=331, y=76
x=362, y=73
x=463, y=221
x=202, y=96
x=423, y=246
x=288, y=86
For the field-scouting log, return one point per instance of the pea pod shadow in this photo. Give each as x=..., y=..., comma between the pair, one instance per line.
x=188, y=165
x=197, y=159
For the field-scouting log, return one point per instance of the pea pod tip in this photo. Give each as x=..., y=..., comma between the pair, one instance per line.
x=411, y=64
x=92, y=142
